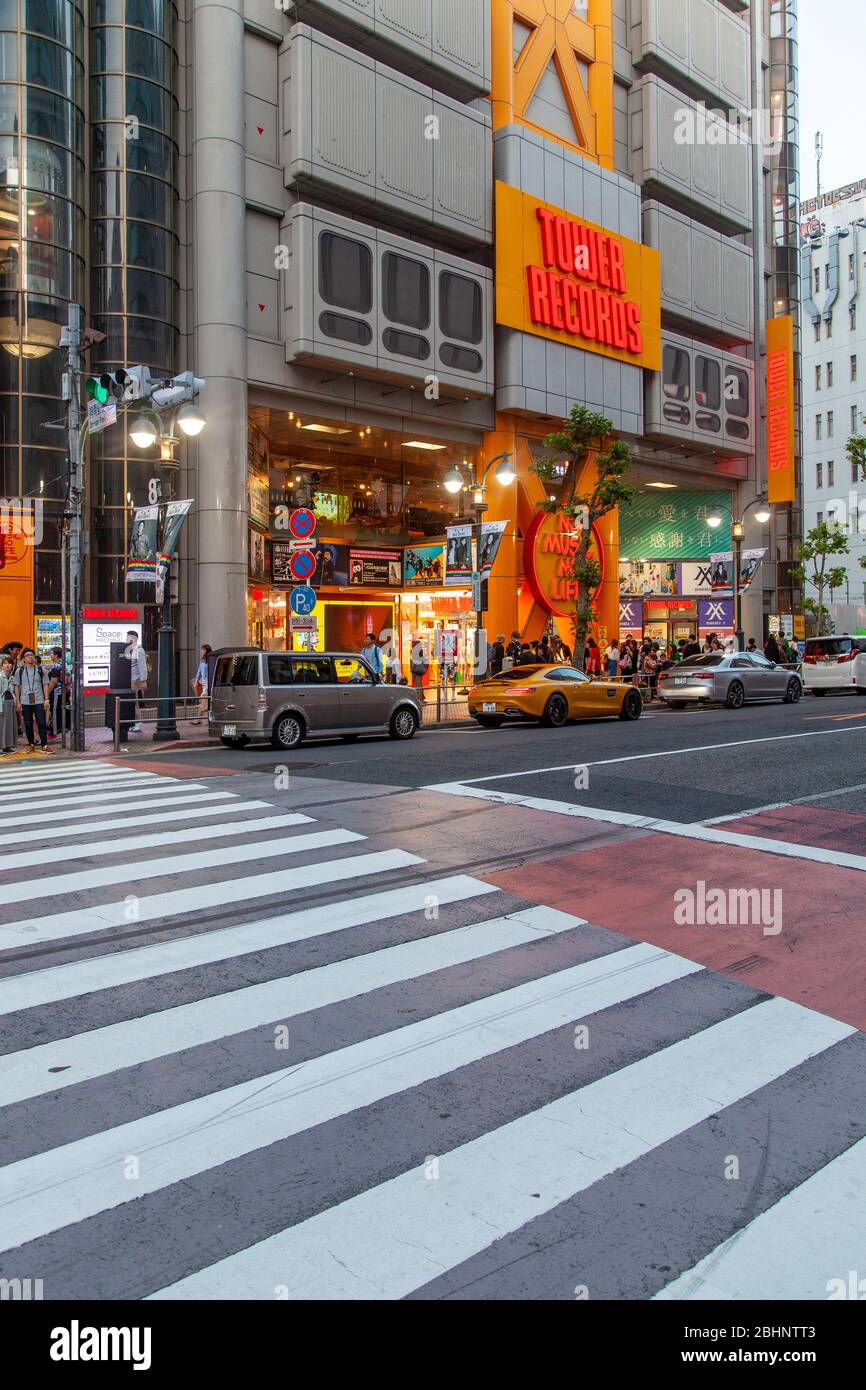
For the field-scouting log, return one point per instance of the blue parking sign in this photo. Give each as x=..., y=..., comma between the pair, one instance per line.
x=302, y=600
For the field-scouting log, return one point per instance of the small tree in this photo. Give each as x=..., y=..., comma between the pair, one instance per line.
x=821, y=543
x=585, y=433
x=856, y=451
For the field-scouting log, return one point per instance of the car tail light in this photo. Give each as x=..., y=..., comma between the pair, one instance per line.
x=810, y=661
x=846, y=656
x=263, y=698
x=522, y=690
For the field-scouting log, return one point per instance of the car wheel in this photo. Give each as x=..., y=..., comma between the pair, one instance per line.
x=490, y=721
x=819, y=692
x=404, y=724
x=555, y=712
x=632, y=706
x=736, y=696
x=240, y=741
x=794, y=691
x=288, y=732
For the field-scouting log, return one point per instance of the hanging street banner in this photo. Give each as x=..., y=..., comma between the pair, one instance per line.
x=175, y=515
x=490, y=541
x=722, y=569
x=458, y=556
x=143, y=561
x=781, y=436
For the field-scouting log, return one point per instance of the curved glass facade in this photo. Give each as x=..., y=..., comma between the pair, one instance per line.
x=42, y=187
x=133, y=242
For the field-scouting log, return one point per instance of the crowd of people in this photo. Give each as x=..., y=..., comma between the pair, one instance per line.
x=32, y=699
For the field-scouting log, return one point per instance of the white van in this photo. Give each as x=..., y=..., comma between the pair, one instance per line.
x=835, y=663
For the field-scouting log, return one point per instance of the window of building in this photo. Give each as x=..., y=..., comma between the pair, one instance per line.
x=406, y=290
x=855, y=473
x=460, y=307
x=676, y=374
x=829, y=374
x=854, y=366
x=345, y=273
x=346, y=329
x=817, y=330
x=828, y=327
x=852, y=315
x=854, y=419
x=819, y=475
x=708, y=392
x=819, y=518
x=819, y=427
x=831, y=473
x=818, y=371
x=829, y=424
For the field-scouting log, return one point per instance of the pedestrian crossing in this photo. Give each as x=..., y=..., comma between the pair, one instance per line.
x=280, y=1059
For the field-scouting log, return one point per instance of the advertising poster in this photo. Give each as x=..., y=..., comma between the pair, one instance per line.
x=143, y=558
x=257, y=554
x=640, y=577
x=673, y=527
x=281, y=552
x=491, y=539
x=176, y=514
x=376, y=569
x=347, y=624
x=458, y=557
x=630, y=618
x=100, y=628
x=696, y=577
x=722, y=567
x=715, y=615
x=258, y=496
x=424, y=566
x=332, y=565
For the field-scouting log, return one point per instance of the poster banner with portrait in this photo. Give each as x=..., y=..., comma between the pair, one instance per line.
x=376, y=569
x=332, y=565
x=257, y=554
x=491, y=539
x=638, y=578
x=424, y=566
x=143, y=562
x=722, y=570
x=458, y=556
x=176, y=514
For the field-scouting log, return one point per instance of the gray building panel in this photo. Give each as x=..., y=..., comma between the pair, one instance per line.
x=704, y=396
x=696, y=44
x=706, y=277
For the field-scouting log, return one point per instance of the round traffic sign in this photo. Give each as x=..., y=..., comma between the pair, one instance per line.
x=302, y=523
x=302, y=600
x=302, y=565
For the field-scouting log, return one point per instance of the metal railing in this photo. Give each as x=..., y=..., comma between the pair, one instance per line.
x=185, y=707
x=443, y=704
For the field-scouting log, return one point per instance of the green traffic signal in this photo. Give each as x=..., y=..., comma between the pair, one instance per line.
x=97, y=388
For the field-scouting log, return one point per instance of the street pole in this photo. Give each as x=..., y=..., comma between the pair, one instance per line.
x=479, y=612
x=71, y=340
x=738, y=614
x=166, y=706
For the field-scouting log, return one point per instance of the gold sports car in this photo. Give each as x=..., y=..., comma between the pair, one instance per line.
x=551, y=694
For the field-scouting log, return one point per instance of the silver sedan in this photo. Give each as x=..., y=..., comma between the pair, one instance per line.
x=730, y=680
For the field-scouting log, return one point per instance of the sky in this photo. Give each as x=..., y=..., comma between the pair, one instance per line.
x=832, y=91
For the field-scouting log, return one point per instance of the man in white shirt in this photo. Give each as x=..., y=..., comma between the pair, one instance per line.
x=137, y=658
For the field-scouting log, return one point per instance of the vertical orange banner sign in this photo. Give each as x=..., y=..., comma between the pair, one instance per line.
x=781, y=467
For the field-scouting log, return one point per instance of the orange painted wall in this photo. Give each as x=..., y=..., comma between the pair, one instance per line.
x=510, y=604
x=16, y=590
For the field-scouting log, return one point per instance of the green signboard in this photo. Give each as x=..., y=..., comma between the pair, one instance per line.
x=662, y=525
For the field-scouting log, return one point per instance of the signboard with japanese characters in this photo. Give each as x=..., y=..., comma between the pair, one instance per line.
x=674, y=526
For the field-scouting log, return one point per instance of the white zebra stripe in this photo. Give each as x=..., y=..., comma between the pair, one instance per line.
x=130, y=799
x=38, y=1194
x=195, y=810
x=27, y=1073
x=179, y=902
x=27, y=991
x=396, y=1237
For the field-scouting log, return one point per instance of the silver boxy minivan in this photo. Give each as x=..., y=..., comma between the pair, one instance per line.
x=290, y=696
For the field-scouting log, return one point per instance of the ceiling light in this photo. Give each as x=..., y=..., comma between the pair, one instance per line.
x=663, y=485
x=421, y=444
x=325, y=429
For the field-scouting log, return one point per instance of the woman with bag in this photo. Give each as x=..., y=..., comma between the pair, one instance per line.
x=199, y=684
x=8, y=714
x=31, y=694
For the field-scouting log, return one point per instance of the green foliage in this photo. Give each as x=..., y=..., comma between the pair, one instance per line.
x=567, y=450
x=856, y=451
x=815, y=570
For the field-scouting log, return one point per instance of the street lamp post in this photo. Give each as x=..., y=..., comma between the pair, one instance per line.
x=454, y=482
x=738, y=532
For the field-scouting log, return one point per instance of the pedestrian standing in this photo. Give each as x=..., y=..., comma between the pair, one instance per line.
x=56, y=692
x=8, y=720
x=592, y=658
x=418, y=667
x=497, y=655
x=31, y=695
x=200, y=682
x=514, y=648
x=771, y=649
x=372, y=654
x=137, y=658
x=611, y=659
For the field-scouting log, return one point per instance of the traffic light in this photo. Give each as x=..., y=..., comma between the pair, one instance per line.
x=98, y=388
x=120, y=385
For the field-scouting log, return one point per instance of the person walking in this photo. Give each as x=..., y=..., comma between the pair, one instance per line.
x=611, y=659
x=200, y=682
x=418, y=667
x=372, y=654
x=31, y=695
x=137, y=658
x=650, y=671
x=8, y=719
x=592, y=658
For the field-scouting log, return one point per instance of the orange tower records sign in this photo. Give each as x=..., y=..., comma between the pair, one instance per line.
x=548, y=560
x=781, y=465
x=564, y=278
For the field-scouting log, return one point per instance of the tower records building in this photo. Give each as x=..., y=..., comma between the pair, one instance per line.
x=397, y=236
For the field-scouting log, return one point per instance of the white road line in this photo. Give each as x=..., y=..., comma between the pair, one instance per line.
x=28, y=1073
x=195, y=810
x=396, y=1237
x=136, y=875
x=709, y=834
x=26, y=991
x=129, y=799
x=36, y=772
x=180, y=902
x=640, y=757
x=814, y=1234
x=71, y=795
x=780, y=805
x=77, y=1180
x=132, y=843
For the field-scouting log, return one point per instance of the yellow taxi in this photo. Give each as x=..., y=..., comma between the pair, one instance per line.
x=552, y=694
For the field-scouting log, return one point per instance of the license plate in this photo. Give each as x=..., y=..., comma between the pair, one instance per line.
x=488, y=709
x=229, y=730
x=681, y=680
